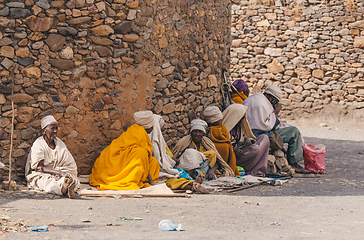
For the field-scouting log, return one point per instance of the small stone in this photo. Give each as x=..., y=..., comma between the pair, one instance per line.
x=133, y=4
x=22, y=52
x=70, y=111
x=38, y=24
x=5, y=41
x=77, y=21
x=25, y=61
x=359, y=42
x=66, y=53
x=32, y=72
x=168, y=108
x=38, y=45
x=102, y=30
x=274, y=52
x=123, y=27
x=15, y=5
x=35, y=36
x=21, y=98
x=62, y=64
x=275, y=67
x=103, y=51
x=5, y=11
x=318, y=73
x=212, y=81
x=4, y=21
x=116, y=125
x=67, y=31
x=130, y=38
x=7, y=63
x=55, y=42
x=131, y=14
x=7, y=51
x=168, y=70
x=43, y=4
x=86, y=82
x=101, y=41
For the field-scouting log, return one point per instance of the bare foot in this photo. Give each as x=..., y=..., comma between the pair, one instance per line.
x=67, y=181
x=199, y=178
x=196, y=187
x=71, y=189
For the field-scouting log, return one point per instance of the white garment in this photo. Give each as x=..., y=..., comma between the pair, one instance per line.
x=260, y=113
x=191, y=159
x=56, y=159
x=166, y=163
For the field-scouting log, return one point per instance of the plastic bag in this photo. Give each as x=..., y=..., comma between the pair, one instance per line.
x=168, y=225
x=314, y=157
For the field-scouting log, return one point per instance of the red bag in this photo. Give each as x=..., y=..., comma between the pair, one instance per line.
x=314, y=157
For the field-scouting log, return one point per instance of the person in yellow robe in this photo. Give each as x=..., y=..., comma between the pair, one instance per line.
x=240, y=91
x=219, y=135
x=127, y=163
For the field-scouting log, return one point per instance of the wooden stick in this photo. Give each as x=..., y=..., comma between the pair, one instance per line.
x=245, y=187
x=133, y=195
x=12, y=123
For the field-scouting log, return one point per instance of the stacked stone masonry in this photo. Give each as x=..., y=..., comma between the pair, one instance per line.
x=93, y=63
x=312, y=49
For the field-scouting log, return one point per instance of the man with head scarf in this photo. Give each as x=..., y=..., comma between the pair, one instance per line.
x=175, y=178
x=50, y=166
x=195, y=148
x=220, y=136
x=127, y=163
x=240, y=91
x=251, y=152
x=263, y=109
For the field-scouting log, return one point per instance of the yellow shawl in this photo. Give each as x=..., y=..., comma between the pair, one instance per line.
x=220, y=137
x=125, y=163
x=183, y=143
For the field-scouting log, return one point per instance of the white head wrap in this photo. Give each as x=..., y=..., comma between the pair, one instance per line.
x=144, y=118
x=212, y=114
x=198, y=124
x=274, y=91
x=47, y=120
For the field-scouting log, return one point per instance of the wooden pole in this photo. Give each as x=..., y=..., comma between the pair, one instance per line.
x=12, y=123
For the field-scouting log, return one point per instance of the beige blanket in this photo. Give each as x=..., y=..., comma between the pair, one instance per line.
x=183, y=143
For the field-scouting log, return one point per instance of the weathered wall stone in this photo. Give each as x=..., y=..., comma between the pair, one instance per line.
x=313, y=50
x=92, y=64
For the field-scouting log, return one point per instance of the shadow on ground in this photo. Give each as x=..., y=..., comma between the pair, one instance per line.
x=343, y=174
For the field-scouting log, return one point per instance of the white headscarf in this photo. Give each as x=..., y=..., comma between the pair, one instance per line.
x=166, y=163
x=274, y=91
x=144, y=118
x=212, y=114
x=47, y=120
x=198, y=124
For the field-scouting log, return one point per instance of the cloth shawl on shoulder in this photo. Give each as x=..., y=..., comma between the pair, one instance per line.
x=183, y=143
x=166, y=163
x=232, y=115
x=260, y=112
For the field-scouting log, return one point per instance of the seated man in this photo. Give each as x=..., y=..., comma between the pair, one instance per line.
x=186, y=148
x=240, y=91
x=262, y=112
x=127, y=163
x=168, y=173
x=251, y=153
x=50, y=166
x=220, y=136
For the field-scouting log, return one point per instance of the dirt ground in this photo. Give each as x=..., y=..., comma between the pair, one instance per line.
x=324, y=206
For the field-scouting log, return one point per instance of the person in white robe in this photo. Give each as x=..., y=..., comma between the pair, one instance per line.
x=50, y=165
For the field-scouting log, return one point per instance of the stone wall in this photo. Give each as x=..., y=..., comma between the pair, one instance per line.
x=312, y=49
x=92, y=64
